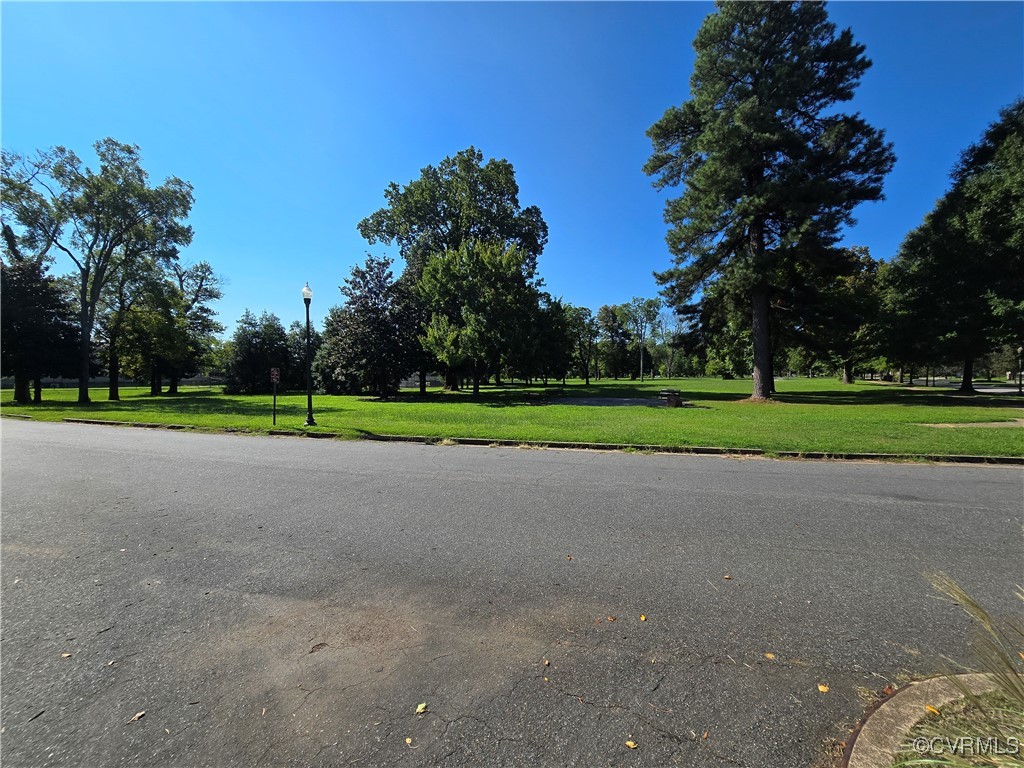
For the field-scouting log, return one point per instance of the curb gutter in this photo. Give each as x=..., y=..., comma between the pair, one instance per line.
x=702, y=450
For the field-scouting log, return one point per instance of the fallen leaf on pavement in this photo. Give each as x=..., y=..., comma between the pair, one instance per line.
x=932, y=709
x=547, y=663
x=643, y=617
x=769, y=656
x=568, y=557
x=728, y=577
x=611, y=618
x=408, y=741
x=822, y=687
x=631, y=744
x=65, y=655
x=706, y=734
x=264, y=712
x=167, y=731
x=888, y=690
x=138, y=716
x=421, y=708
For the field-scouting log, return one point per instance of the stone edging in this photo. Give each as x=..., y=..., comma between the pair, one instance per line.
x=879, y=738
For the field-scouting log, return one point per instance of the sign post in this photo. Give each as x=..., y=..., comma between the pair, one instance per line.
x=275, y=377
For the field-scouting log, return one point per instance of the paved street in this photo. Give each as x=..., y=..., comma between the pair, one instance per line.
x=273, y=601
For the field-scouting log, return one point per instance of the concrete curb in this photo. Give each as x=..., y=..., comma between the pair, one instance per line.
x=583, y=446
x=291, y=433
x=879, y=738
x=704, y=450
x=22, y=416
x=142, y=424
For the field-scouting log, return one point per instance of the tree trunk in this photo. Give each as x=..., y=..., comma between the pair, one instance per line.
x=423, y=382
x=451, y=380
x=114, y=367
x=84, y=350
x=762, y=347
x=967, y=384
x=476, y=382
x=21, y=385
x=172, y=384
x=37, y=390
x=155, y=382
x=847, y=371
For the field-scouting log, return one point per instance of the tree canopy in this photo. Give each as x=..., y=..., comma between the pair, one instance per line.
x=460, y=200
x=102, y=221
x=956, y=290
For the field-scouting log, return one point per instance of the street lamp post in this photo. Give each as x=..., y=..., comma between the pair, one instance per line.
x=1020, y=378
x=307, y=297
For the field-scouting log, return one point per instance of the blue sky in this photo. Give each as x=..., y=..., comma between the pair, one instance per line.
x=291, y=118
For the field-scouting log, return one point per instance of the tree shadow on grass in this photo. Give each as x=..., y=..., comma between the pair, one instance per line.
x=885, y=396
x=183, y=403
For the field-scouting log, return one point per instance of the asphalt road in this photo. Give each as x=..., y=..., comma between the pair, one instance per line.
x=272, y=601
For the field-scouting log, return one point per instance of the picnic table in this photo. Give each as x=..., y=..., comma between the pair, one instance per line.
x=671, y=398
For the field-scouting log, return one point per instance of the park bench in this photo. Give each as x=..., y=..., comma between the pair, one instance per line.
x=543, y=397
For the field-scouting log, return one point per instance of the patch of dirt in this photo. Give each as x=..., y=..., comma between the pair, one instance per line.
x=989, y=424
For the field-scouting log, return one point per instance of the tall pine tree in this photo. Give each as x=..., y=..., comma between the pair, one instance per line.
x=771, y=169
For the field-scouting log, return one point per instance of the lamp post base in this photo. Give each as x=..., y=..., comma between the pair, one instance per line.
x=310, y=422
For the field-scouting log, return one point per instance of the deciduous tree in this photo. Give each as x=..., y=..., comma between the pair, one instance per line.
x=99, y=220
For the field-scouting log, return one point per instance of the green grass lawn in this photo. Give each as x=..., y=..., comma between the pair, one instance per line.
x=808, y=415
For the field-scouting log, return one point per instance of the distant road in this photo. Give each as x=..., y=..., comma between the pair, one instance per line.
x=274, y=601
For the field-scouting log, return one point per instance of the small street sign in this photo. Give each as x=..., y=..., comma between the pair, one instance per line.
x=275, y=379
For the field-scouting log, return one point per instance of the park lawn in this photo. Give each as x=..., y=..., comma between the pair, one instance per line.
x=808, y=415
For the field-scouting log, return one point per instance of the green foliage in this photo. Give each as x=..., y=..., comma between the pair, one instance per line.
x=838, y=313
x=368, y=343
x=102, y=221
x=159, y=323
x=583, y=330
x=37, y=325
x=638, y=316
x=954, y=290
x=483, y=302
x=613, y=346
x=459, y=201
x=293, y=376
x=258, y=345
x=771, y=169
